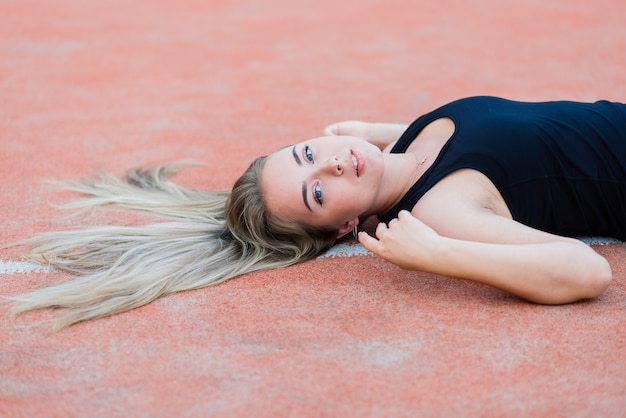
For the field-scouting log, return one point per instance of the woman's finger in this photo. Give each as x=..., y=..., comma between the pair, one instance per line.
x=347, y=128
x=381, y=229
x=370, y=243
x=332, y=129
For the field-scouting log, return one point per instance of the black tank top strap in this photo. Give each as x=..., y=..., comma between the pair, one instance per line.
x=433, y=174
x=411, y=132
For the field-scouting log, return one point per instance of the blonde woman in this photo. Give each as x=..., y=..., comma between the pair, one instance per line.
x=483, y=188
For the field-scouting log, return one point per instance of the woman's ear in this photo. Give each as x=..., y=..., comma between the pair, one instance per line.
x=347, y=227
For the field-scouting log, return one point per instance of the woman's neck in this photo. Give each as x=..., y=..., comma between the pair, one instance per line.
x=401, y=171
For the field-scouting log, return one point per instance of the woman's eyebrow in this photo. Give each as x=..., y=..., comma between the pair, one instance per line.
x=304, y=191
x=295, y=156
x=304, y=196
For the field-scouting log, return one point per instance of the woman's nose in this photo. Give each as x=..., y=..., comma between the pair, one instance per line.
x=334, y=166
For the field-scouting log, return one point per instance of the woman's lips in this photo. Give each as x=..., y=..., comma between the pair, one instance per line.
x=357, y=162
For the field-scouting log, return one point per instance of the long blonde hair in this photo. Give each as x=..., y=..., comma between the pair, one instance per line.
x=205, y=238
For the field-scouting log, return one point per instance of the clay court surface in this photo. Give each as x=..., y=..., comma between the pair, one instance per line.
x=116, y=84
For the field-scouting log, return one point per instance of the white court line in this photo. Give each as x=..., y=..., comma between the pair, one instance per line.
x=346, y=250
x=339, y=250
x=349, y=250
x=13, y=267
x=599, y=240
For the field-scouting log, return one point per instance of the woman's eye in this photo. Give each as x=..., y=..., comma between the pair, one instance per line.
x=317, y=194
x=308, y=154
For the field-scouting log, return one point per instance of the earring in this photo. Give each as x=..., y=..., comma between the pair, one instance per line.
x=355, y=232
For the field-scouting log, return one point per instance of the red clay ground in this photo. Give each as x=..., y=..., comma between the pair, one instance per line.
x=120, y=83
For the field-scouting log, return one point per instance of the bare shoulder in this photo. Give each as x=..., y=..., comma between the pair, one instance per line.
x=467, y=205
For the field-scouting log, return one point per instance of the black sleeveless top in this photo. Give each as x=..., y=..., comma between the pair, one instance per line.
x=560, y=166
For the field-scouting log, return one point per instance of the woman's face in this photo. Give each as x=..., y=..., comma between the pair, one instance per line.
x=327, y=181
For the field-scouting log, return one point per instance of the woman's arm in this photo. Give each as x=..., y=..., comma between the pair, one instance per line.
x=549, y=271
x=379, y=134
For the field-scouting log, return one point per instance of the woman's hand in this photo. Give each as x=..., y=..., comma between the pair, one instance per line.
x=349, y=128
x=406, y=242
x=379, y=134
